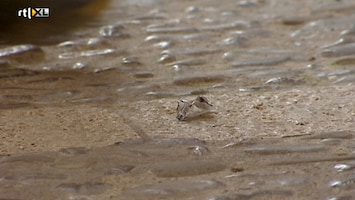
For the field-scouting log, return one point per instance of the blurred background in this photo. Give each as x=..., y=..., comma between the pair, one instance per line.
x=65, y=15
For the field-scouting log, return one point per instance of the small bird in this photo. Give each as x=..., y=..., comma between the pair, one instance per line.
x=202, y=103
x=185, y=108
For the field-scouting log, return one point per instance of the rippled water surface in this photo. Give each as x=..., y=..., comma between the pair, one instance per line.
x=281, y=74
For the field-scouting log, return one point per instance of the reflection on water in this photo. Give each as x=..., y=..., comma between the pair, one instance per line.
x=109, y=72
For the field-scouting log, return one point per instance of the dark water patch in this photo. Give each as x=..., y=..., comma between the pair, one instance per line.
x=97, y=99
x=175, y=188
x=333, y=7
x=161, y=143
x=34, y=176
x=254, y=88
x=168, y=94
x=161, y=94
x=22, y=53
x=163, y=44
x=16, y=72
x=158, y=38
x=332, y=141
x=105, y=70
x=345, y=79
x=237, y=25
x=344, y=167
x=282, y=80
x=13, y=105
x=198, y=150
x=88, y=53
x=199, y=79
x=348, y=183
x=341, y=50
x=340, y=42
x=116, y=30
x=144, y=74
x=148, y=17
x=89, y=188
x=332, y=134
x=44, y=157
x=56, y=96
x=197, y=36
x=192, y=52
x=237, y=144
x=266, y=150
x=294, y=20
x=237, y=41
x=171, y=148
x=344, y=61
x=273, y=72
x=171, y=30
x=166, y=58
x=257, y=194
x=348, y=32
x=313, y=160
x=188, y=168
x=346, y=197
x=75, y=151
x=137, y=88
x=337, y=73
x=51, y=79
x=261, y=62
x=284, y=182
x=246, y=70
x=177, y=141
x=189, y=62
x=91, y=42
x=120, y=169
x=132, y=61
x=77, y=164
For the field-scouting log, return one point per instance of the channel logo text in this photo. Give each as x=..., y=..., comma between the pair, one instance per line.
x=33, y=12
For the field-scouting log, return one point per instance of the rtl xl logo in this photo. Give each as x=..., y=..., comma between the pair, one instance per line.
x=33, y=12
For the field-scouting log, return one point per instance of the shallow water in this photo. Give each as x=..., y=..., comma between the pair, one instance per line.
x=135, y=57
